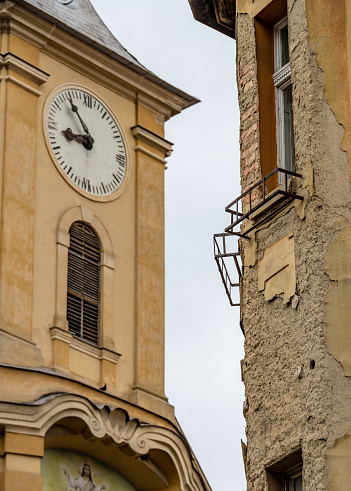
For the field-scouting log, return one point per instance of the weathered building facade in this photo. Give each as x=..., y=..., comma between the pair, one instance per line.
x=294, y=230
x=82, y=160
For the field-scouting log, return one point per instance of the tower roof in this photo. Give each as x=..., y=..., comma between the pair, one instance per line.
x=79, y=18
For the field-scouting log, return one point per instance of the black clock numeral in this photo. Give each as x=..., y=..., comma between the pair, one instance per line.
x=121, y=159
x=52, y=125
x=88, y=101
x=86, y=186
x=103, y=187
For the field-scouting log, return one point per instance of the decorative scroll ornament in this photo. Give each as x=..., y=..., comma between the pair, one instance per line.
x=105, y=421
x=282, y=76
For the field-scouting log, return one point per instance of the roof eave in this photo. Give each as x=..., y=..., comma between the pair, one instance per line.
x=217, y=14
x=186, y=100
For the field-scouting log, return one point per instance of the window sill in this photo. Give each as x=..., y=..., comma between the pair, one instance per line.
x=80, y=358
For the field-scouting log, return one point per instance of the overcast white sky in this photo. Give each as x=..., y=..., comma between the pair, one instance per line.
x=204, y=343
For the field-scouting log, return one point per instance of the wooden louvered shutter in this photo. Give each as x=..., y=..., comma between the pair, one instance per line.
x=83, y=288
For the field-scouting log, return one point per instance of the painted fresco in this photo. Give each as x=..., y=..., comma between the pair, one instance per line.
x=67, y=470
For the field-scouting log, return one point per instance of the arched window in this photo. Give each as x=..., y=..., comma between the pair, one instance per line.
x=83, y=285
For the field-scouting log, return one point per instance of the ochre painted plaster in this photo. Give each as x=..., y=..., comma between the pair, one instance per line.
x=276, y=270
x=328, y=24
x=248, y=7
x=337, y=262
x=338, y=469
x=270, y=10
x=34, y=198
x=337, y=313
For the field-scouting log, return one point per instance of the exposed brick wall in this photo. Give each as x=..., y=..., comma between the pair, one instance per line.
x=248, y=100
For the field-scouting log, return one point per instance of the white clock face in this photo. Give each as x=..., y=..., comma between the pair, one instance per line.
x=86, y=143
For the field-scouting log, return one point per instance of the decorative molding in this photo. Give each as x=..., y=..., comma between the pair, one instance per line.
x=85, y=214
x=282, y=76
x=9, y=61
x=143, y=150
x=150, y=392
x=61, y=334
x=82, y=213
x=100, y=66
x=103, y=421
x=17, y=336
x=24, y=86
x=150, y=138
x=100, y=353
x=22, y=67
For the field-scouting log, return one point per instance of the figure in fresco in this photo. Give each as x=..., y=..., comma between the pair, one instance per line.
x=83, y=482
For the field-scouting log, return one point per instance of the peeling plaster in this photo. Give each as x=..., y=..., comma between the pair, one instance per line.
x=337, y=313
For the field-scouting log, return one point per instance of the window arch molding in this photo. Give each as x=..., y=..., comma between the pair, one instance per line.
x=83, y=214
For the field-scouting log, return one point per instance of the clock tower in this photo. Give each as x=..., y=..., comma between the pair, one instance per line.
x=82, y=160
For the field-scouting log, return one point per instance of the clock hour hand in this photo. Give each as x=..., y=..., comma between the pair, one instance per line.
x=84, y=126
x=86, y=140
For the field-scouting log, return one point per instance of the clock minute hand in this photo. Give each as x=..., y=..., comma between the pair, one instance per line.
x=90, y=140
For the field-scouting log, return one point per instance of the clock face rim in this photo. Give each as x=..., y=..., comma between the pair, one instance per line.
x=73, y=86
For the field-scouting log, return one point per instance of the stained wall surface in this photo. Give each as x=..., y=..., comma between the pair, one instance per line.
x=297, y=365
x=100, y=401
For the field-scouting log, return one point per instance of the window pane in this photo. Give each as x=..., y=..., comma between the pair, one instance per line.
x=284, y=45
x=83, y=282
x=298, y=483
x=289, y=159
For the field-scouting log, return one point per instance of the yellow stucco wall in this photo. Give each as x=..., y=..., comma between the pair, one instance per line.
x=337, y=313
x=329, y=33
x=34, y=197
x=276, y=270
x=338, y=469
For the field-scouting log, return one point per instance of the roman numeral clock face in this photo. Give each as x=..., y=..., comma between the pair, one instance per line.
x=86, y=143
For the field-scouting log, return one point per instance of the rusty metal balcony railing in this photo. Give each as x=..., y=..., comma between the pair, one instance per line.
x=272, y=202
x=220, y=253
x=285, y=195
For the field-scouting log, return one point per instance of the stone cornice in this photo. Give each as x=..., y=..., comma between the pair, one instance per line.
x=127, y=80
x=100, y=353
x=24, y=68
x=150, y=138
x=13, y=63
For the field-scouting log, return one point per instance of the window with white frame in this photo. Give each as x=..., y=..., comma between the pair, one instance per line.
x=293, y=479
x=283, y=95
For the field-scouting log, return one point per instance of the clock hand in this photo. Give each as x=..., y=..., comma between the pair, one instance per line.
x=86, y=140
x=90, y=140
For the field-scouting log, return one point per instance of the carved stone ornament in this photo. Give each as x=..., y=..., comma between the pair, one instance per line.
x=104, y=422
